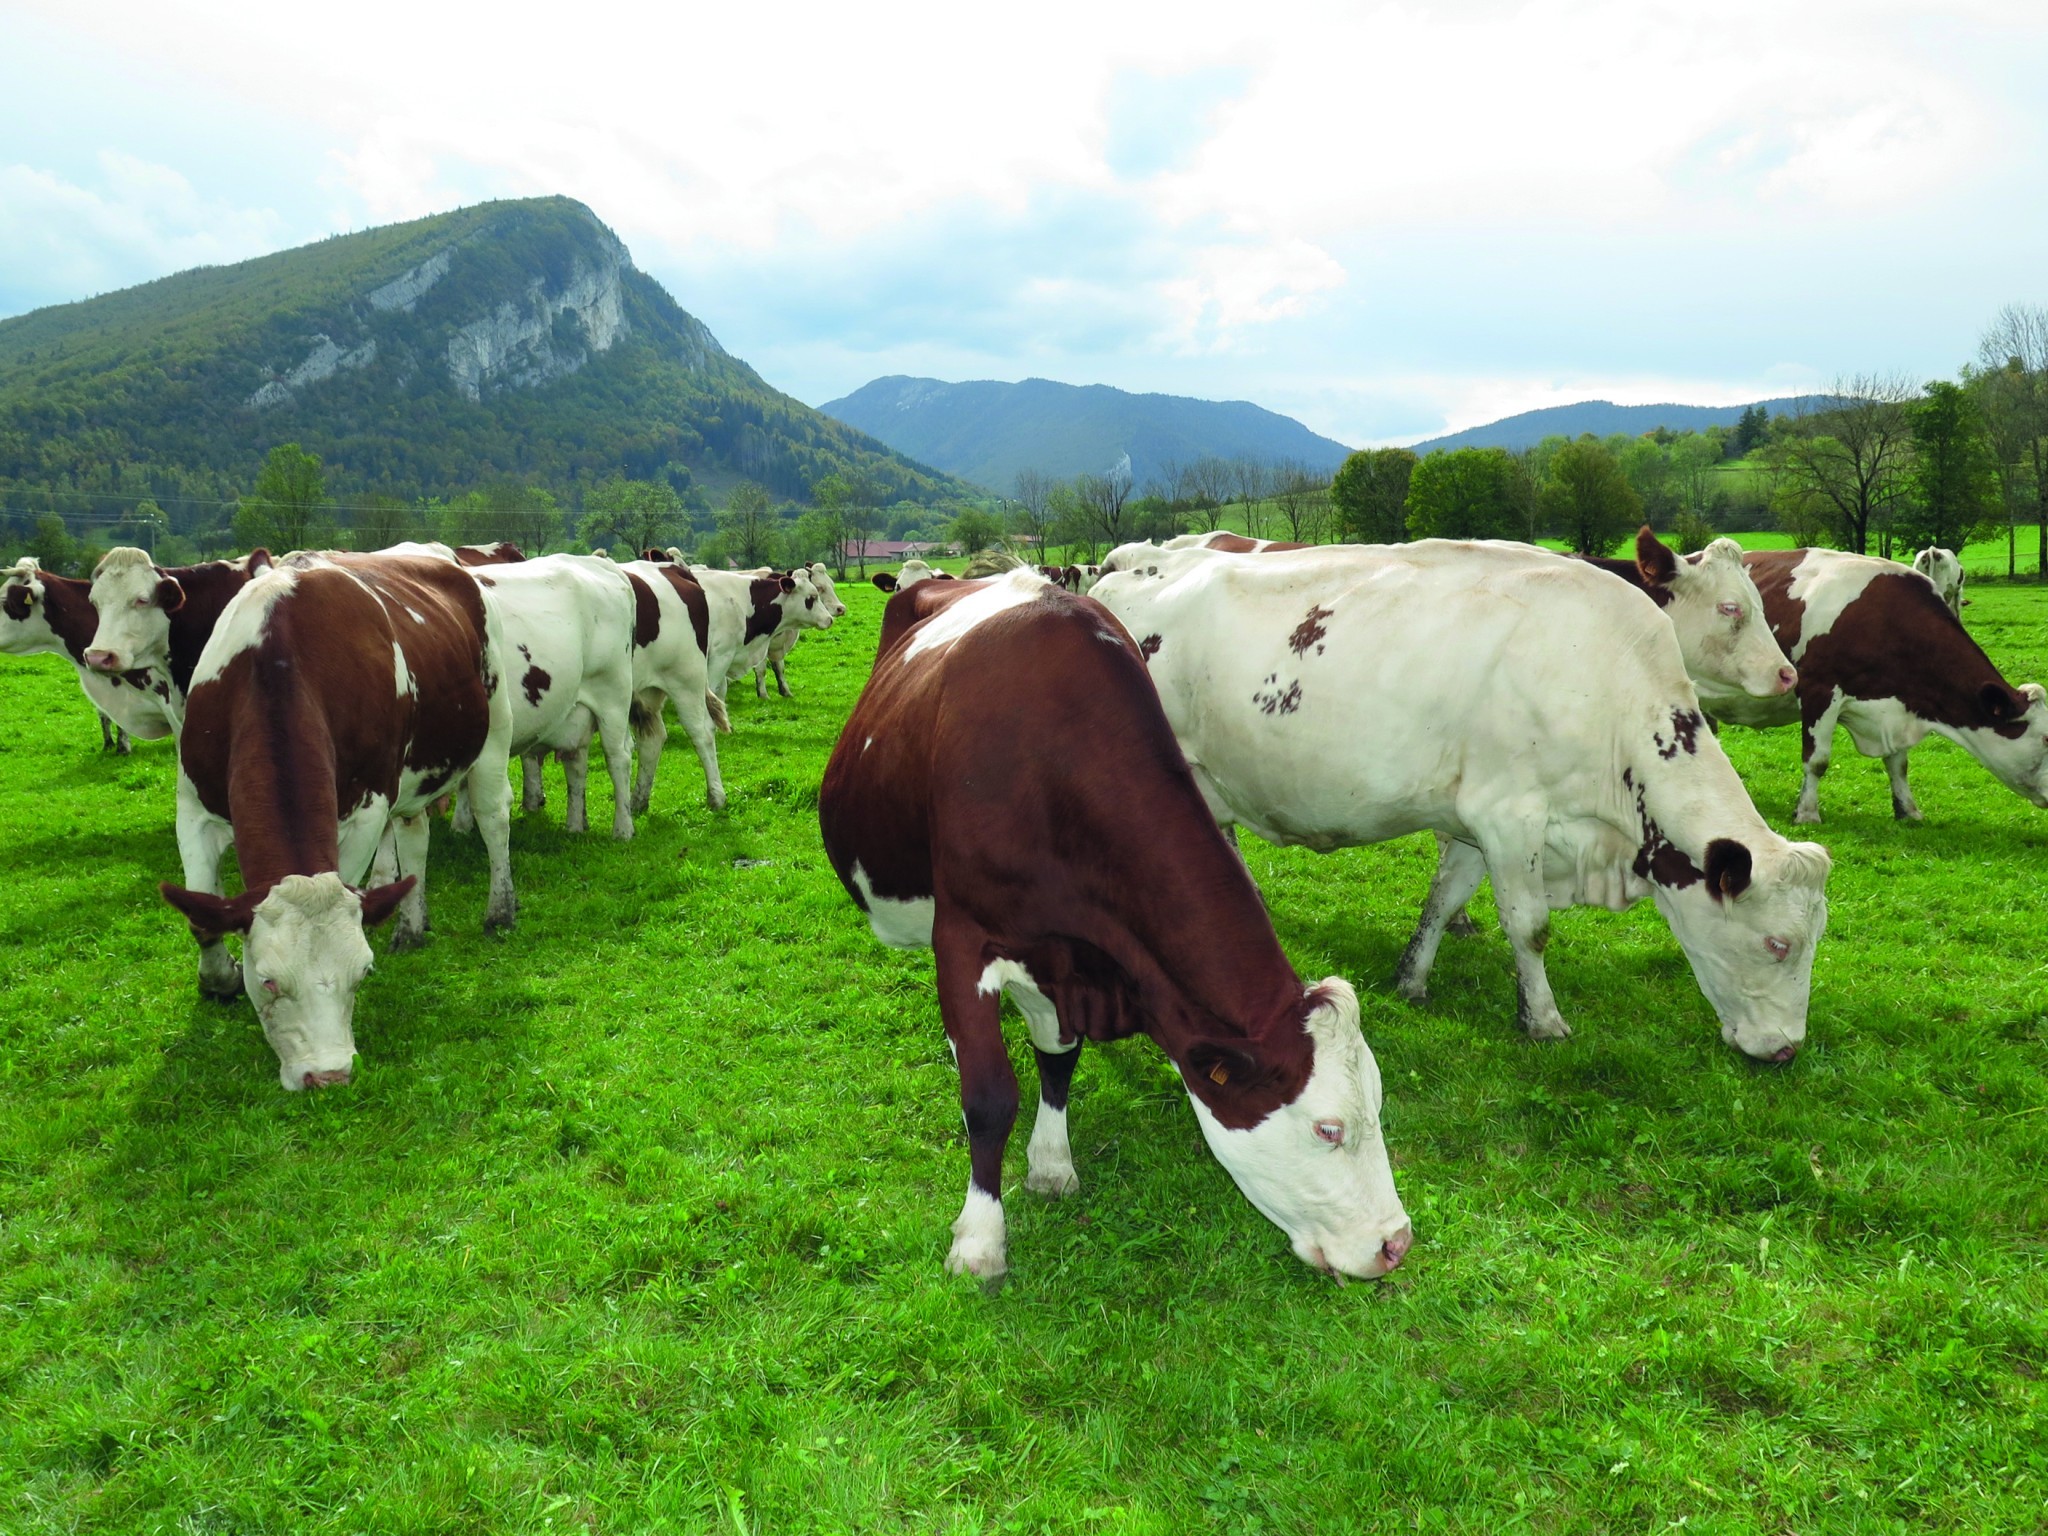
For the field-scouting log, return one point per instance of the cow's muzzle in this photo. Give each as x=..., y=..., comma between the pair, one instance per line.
x=103, y=661
x=335, y=1078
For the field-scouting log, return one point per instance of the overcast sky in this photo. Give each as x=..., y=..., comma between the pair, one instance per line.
x=1386, y=220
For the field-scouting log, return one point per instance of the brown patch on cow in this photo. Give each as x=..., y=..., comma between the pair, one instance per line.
x=764, y=615
x=1238, y=544
x=646, y=613
x=1685, y=734
x=18, y=603
x=1659, y=859
x=208, y=589
x=1272, y=699
x=1771, y=570
x=490, y=554
x=68, y=610
x=535, y=683
x=1627, y=570
x=1149, y=646
x=694, y=601
x=1310, y=631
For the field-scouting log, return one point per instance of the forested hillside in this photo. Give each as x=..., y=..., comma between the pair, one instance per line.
x=1603, y=418
x=511, y=341
x=987, y=432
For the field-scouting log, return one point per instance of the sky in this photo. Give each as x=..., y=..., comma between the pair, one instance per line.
x=1388, y=221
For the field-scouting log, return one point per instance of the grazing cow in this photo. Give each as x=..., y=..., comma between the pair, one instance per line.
x=1529, y=708
x=1075, y=578
x=747, y=609
x=1230, y=543
x=909, y=574
x=30, y=627
x=1941, y=567
x=572, y=625
x=152, y=622
x=1880, y=653
x=669, y=666
x=1082, y=875
x=784, y=640
x=339, y=693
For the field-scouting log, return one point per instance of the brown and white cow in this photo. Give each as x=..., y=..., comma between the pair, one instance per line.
x=669, y=666
x=1533, y=711
x=338, y=693
x=151, y=622
x=1008, y=793
x=909, y=574
x=784, y=640
x=747, y=610
x=1075, y=578
x=1880, y=653
x=43, y=615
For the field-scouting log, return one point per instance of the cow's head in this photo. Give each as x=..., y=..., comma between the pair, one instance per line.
x=2016, y=746
x=1749, y=923
x=135, y=601
x=828, y=595
x=24, y=616
x=803, y=605
x=1945, y=572
x=1719, y=616
x=1317, y=1167
x=303, y=956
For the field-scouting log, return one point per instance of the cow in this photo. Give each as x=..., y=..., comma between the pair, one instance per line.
x=1074, y=578
x=1230, y=543
x=784, y=640
x=1880, y=653
x=1007, y=793
x=1530, y=708
x=47, y=615
x=152, y=622
x=909, y=574
x=501, y=553
x=1941, y=567
x=337, y=694
x=572, y=626
x=669, y=666
x=746, y=611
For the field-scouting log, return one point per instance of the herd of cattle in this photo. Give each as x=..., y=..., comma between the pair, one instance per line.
x=1040, y=776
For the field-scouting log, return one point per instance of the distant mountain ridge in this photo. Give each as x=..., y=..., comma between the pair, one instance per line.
x=1602, y=418
x=986, y=431
x=505, y=341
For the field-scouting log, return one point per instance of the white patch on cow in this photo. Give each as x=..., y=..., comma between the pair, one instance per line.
x=401, y=674
x=1010, y=590
x=1040, y=1016
x=900, y=924
x=868, y=743
x=415, y=615
x=241, y=624
x=1336, y=1203
x=1827, y=585
x=1048, y=1156
x=133, y=630
x=302, y=961
x=978, y=1237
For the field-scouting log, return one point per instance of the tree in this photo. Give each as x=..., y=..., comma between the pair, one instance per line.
x=812, y=538
x=1068, y=519
x=1209, y=482
x=1587, y=500
x=1844, y=466
x=1694, y=458
x=975, y=529
x=382, y=521
x=1031, y=517
x=287, y=510
x=749, y=527
x=861, y=510
x=1464, y=493
x=1750, y=429
x=1301, y=497
x=2000, y=394
x=2017, y=343
x=1648, y=468
x=52, y=545
x=1369, y=495
x=1954, y=480
x=1249, y=478
x=147, y=523
x=639, y=514
x=831, y=495
x=1104, y=499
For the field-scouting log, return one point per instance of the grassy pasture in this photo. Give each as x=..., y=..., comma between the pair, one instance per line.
x=634, y=1221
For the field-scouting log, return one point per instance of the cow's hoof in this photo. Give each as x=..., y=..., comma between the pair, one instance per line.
x=220, y=991
x=1413, y=991
x=1805, y=818
x=622, y=829
x=1461, y=926
x=985, y=1261
x=1552, y=1028
x=1901, y=813
x=1053, y=1180
x=405, y=937
x=501, y=918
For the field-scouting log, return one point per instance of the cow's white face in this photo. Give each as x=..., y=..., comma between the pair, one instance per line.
x=135, y=602
x=912, y=572
x=1317, y=1168
x=1752, y=945
x=24, y=617
x=808, y=608
x=302, y=960
x=828, y=595
x=1719, y=616
x=2021, y=762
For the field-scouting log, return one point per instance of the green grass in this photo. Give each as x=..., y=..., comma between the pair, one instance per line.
x=634, y=1221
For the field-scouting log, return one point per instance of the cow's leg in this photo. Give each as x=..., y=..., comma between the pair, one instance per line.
x=650, y=731
x=761, y=681
x=464, y=817
x=1459, y=869
x=615, y=736
x=106, y=734
x=1048, y=1156
x=202, y=839
x=575, y=763
x=533, y=789
x=1903, y=805
x=1460, y=924
x=489, y=785
x=988, y=1099
x=695, y=715
x=123, y=742
x=781, y=682
x=1817, y=743
x=1514, y=861
x=409, y=836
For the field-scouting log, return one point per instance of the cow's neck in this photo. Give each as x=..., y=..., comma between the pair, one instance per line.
x=281, y=791
x=1680, y=785
x=67, y=605
x=208, y=590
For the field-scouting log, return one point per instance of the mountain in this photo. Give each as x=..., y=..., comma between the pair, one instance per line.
x=1602, y=418
x=987, y=431
x=510, y=341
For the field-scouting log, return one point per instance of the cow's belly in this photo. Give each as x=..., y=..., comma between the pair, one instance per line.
x=1880, y=727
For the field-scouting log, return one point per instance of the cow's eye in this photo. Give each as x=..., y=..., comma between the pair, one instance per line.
x=1331, y=1131
x=1731, y=610
x=270, y=985
x=1778, y=947
x=142, y=602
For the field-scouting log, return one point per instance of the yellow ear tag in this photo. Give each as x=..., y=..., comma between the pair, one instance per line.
x=1218, y=1074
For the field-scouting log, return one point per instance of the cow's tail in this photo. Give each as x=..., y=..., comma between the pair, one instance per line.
x=719, y=717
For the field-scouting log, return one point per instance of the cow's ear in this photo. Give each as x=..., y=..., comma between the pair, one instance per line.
x=383, y=901
x=1654, y=561
x=1727, y=868
x=2002, y=703
x=259, y=560
x=659, y=556
x=169, y=595
x=211, y=914
x=884, y=580
x=1226, y=1063
x=786, y=581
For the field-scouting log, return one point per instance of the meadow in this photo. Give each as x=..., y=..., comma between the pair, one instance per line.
x=634, y=1221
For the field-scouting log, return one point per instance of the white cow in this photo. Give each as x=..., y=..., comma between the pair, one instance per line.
x=1532, y=709
x=747, y=609
x=784, y=640
x=1941, y=567
x=668, y=666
